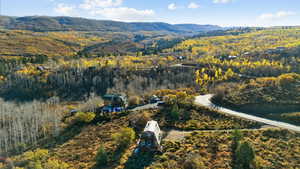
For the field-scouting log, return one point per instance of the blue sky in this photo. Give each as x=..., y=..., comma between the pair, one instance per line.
x=218, y=12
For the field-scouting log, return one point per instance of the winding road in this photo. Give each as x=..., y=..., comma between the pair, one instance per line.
x=204, y=100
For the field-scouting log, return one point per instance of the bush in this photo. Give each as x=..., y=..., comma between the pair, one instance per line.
x=139, y=121
x=175, y=112
x=170, y=99
x=37, y=155
x=134, y=101
x=244, y=156
x=222, y=90
x=55, y=164
x=39, y=159
x=124, y=138
x=102, y=157
x=193, y=162
x=85, y=117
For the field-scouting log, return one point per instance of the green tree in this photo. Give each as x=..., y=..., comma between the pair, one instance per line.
x=245, y=156
x=175, y=112
x=85, y=117
x=102, y=157
x=124, y=138
x=237, y=136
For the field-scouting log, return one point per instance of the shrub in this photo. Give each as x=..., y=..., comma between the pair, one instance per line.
x=286, y=80
x=35, y=165
x=134, y=100
x=124, y=138
x=102, y=157
x=193, y=162
x=139, y=121
x=244, y=156
x=37, y=155
x=170, y=99
x=55, y=164
x=85, y=117
x=175, y=112
x=221, y=90
x=41, y=159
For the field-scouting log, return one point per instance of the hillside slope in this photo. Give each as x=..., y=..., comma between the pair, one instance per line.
x=44, y=23
x=27, y=43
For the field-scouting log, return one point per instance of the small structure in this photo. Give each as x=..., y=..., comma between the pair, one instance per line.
x=150, y=138
x=232, y=57
x=114, y=103
x=280, y=49
x=181, y=57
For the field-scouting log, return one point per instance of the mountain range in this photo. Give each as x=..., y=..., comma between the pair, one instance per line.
x=46, y=23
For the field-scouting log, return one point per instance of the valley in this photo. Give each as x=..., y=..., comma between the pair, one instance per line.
x=78, y=93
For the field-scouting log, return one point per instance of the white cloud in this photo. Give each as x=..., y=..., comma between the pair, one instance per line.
x=278, y=15
x=90, y=4
x=125, y=14
x=222, y=1
x=64, y=9
x=193, y=5
x=172, y=6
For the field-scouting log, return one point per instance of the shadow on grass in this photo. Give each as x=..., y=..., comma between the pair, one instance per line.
x=140, y=160
x=67, y=134
x=114, y=157
x=50, y=142
x=135, y=161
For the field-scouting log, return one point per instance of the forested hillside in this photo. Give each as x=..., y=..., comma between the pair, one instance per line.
x=43, y=24
x=26, y=43
x=253, y=43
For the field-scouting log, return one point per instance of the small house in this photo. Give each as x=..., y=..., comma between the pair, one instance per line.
x=150, y=138
x=181, y=57
x=114, y=103
x=280, y=49
x=232, y=57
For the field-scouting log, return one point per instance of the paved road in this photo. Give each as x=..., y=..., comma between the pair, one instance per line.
x=145, y=107
x=205, y=101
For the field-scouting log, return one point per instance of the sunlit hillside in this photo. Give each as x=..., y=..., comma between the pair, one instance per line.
x=238, y=45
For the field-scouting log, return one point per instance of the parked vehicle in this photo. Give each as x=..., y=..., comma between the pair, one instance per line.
x=154, y=99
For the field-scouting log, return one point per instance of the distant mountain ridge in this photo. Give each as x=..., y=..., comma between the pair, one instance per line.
x=45, y=23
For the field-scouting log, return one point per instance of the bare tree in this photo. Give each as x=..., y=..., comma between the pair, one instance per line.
x=24, y=124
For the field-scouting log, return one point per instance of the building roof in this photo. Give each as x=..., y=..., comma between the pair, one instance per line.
x=152, y=126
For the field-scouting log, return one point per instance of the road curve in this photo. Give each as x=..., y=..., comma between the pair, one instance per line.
x=204, y=100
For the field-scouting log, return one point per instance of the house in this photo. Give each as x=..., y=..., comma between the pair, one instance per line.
x=270, y=51
x=247, y=53
x=150, y=138
x=276, y=51
x=232, y=57
x=114, y=103
x=181, y=57
x=280, y=49
x=137, y=61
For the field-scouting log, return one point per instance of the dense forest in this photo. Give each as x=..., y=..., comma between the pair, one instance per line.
x=55, y=72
